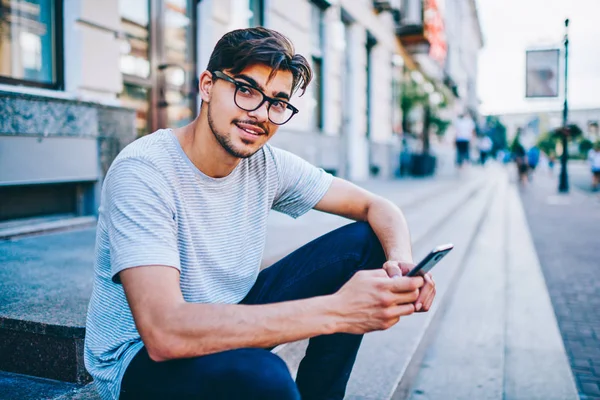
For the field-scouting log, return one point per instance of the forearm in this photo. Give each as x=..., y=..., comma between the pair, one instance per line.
x=192, y=330
x=391, y=228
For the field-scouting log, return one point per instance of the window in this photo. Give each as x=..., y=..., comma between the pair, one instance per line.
x=30, y=42
x=371, y=42
x=257, y=13
x=135, y=19
x=318, y=51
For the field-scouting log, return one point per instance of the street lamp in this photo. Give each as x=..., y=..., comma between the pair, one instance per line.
x=563, y=185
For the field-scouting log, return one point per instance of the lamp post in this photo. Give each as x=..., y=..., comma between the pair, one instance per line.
x=563, y=185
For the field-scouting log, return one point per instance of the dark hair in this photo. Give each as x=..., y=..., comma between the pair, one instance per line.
x=242, y=48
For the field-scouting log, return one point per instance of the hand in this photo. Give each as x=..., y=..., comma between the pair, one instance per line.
x=397, y=268
x=371, y=301
x=426, y=295
x=427, y=292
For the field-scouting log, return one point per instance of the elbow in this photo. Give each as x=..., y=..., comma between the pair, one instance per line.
x=160, y=347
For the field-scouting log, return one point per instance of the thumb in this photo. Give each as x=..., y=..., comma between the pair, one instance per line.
x=393, y=269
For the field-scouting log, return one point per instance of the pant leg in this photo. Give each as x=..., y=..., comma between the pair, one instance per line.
x=319, y=268
x=253, y=374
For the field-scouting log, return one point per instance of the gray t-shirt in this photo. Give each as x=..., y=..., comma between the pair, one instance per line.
x=157, y=208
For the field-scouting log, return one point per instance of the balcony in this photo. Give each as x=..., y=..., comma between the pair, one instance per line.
x=420, y=28
x=390, y=5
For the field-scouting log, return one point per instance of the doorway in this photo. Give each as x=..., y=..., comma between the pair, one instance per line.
x=158, y=54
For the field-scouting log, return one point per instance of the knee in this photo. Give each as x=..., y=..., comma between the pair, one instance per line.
x=361, y=237
x=261, y=374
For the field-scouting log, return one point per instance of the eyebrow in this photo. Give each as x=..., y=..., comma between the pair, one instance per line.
x=252, y=82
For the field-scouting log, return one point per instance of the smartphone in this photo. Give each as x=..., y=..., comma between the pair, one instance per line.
x=430, y=260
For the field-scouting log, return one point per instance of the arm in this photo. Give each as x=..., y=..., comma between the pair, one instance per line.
x=387, y=221
x=171, y=328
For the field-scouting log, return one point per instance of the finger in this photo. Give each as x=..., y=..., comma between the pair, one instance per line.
x=427, y=304
x=424, y=303
x=426, y=291
x=406, y=267
x=403, y=310
x=404, y=284
x=392, y=269
x=406, y=297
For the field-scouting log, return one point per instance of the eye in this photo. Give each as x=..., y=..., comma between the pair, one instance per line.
x=243, y=89
x=279, y=106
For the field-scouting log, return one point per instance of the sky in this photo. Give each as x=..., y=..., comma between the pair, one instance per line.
x=510, y=27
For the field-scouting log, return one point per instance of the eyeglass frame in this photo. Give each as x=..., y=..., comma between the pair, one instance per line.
x=270, y=100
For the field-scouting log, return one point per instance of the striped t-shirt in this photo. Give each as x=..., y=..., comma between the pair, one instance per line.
x=157, y=208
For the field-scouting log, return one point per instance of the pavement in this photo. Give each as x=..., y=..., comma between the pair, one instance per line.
x=566, y=233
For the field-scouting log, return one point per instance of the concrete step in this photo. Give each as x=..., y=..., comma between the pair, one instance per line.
x=23, y=387
x=43, y=306
x=35, y=226
x=386, y=362
x=497, y=336
x=424, y=220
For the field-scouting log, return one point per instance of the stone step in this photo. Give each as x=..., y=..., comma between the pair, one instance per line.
x=387, y=359
x=464, y=357
x=497, y=336
x=446, y=209
x=43, y=308
x=38, y=225
x=23, y=387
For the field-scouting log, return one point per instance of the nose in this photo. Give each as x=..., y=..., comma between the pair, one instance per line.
x=261, y=113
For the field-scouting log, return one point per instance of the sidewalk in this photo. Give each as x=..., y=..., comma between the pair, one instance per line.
x=566, y=233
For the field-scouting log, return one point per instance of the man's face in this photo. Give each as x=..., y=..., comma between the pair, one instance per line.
x=243, y=133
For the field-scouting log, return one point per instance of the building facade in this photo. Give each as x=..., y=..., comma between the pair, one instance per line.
x=80, y=79
x=465, y=40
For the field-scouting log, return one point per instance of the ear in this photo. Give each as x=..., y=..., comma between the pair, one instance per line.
x=205, y=86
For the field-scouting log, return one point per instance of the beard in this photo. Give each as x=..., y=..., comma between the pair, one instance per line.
x=225, y=140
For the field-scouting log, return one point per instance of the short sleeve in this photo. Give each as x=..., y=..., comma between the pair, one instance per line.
x=140, y=217
x=300, y=184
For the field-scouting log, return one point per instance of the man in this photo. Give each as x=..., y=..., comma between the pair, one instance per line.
x=464, y=128
x=485, y=147
x=179, y=309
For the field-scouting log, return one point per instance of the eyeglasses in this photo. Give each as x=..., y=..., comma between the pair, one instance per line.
x=250, y=98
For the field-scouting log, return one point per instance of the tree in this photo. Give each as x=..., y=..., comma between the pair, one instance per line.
x=413, y=96
x=497, y=132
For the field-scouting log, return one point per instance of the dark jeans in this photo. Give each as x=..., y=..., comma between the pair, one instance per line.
x=319, y=268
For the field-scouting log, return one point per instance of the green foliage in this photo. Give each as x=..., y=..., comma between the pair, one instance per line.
x=497, y=132
x=441, y=125
x=585, y=146
x=414, y=96
x=546, y=142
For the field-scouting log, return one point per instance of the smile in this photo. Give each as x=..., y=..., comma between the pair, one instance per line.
x=256, y=132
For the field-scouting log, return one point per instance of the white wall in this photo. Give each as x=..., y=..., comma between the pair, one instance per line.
x=92, y=51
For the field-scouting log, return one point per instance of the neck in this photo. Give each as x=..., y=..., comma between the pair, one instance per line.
x=203, y=149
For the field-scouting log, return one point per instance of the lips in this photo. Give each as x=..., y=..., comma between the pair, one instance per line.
x=250, y=128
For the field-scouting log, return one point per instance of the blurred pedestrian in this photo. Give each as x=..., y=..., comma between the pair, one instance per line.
x=594, y=159
x=520, y=157
x=551, y=162
x=533, y=158
x=464, y=128
x=485, y=147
